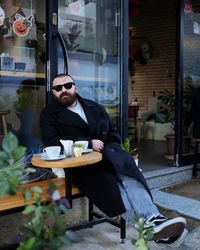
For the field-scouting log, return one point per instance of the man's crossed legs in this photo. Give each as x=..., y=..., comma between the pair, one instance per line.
x=169, y=231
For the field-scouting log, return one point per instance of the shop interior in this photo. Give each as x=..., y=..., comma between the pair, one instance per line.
x=152, y=73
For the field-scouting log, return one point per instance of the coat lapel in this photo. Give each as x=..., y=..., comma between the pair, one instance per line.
x=91, y=112
x=66, y=116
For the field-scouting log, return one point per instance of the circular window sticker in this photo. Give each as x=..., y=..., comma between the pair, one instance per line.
x=21, y=25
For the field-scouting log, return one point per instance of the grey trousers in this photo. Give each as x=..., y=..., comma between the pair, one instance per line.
x=136, y=200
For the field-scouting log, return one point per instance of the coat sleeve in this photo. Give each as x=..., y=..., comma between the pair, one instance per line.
x=49, y=130
x=112, y=135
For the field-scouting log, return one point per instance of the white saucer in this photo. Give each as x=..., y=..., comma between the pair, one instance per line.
x=88, y=150
x=46, y=158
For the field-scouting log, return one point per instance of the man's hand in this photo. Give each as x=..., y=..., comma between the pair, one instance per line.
x=97, y=145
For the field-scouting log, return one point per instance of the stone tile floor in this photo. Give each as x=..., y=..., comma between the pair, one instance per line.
x=106, y=237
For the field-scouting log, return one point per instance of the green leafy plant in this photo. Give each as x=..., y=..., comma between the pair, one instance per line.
x=10, y=167
x=127, y=146
x=167, y=113
x=46, y=228
x=145, y=230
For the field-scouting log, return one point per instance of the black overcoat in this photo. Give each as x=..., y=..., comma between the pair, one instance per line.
x=99, y=183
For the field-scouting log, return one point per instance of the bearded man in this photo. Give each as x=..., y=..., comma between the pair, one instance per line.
x=115, y=185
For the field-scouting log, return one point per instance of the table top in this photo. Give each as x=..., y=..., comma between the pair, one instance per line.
x=70, y=162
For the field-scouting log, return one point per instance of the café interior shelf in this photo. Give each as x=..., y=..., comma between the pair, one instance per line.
x=22, y=74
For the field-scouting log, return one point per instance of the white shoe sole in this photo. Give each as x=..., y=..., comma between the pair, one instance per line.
x=176, y=243
x=169, y=227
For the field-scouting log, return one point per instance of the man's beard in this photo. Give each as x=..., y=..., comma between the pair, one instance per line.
x=66, y=99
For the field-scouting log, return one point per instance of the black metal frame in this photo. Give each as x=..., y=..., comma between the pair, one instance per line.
x=179, y=84
x=51, y=31
x=196, y=158
x=124, y=69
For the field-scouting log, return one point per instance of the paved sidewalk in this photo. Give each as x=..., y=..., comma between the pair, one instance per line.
x=106, y=237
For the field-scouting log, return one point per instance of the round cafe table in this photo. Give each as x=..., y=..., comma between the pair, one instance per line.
x=70, y=162
x=67, y=163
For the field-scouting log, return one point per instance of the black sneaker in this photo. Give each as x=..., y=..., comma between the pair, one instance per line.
x=166, y=228
x=174, y=241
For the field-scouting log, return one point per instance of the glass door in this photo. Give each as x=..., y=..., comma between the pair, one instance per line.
x=190, y=75
x=22, y=67
x=88, y=48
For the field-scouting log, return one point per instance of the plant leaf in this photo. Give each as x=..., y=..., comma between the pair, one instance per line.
x=10, y=142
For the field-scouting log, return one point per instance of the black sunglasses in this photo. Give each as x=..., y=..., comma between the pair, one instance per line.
x=67, y=85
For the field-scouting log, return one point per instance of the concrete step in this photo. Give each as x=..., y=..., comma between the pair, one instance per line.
x=172, y=204
x=168, y=176
x=175, y=205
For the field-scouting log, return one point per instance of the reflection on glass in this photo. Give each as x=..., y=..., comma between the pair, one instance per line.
x=191, y=61
x=22, y=66
x=91, y=37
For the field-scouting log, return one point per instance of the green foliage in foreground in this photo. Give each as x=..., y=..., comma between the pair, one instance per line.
x=10, y=166
x=146, y=231
x=46, y=228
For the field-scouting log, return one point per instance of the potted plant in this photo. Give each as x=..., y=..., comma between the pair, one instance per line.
x=127, y=146
x=167, y=114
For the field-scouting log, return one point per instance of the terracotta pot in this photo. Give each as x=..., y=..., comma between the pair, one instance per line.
x=171, y=144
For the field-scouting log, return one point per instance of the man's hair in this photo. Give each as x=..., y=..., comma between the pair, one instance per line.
x=61, y=75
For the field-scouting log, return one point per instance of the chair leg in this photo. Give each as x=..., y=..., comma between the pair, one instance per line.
x=123, y=230
x=90, y=211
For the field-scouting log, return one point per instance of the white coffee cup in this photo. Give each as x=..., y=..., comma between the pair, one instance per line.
x=52, y=152
x=84, y=143
x=67, y=144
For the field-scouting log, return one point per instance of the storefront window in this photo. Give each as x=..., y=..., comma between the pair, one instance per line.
x=22, y=66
